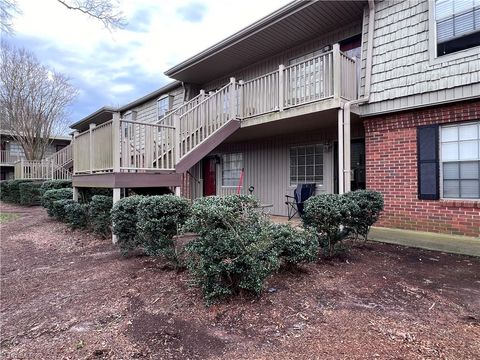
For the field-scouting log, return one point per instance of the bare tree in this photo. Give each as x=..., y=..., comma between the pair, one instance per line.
x=34, y=99
x=106, y=11
x=8, y=10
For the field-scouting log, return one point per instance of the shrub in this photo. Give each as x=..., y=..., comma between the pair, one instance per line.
x=76, y=215
x=294, y=246
x=55, y=194
x=234, y=250
x=159, y=218
x=86, y=194
x=30, y=193
x=326, y=214
x=99, y=214
x=55, y=184
x=58, y=208
x=4, y=190
x=11, y=190
x=124, y=222
x=365, y=210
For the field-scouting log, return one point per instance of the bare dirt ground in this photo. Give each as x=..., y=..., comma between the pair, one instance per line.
x=70, y=295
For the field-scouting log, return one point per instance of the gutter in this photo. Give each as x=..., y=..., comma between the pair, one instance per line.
x=345, y=174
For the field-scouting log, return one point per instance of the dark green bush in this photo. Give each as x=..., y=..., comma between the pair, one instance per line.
x=159, y=218
x=327, y=214
x=124, y=222
x=11, y=190
x=30, y=193
x=55, y=184
x=58, y=208
x=76, y=215
x=234, y=250
x=366, y=206
x=55, y=194
x=4, y=190
x=294, y=245
x=99, y=214
x=86, y=194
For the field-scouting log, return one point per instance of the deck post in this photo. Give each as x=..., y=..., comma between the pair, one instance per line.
x=341, y=184
x=178, y=191
x=281, y=87
x=178, y=145
x=74, y=152
x=91, y=149
x=233, y=113
x=22, y=170
x=336, y=71
x=116, y=139
x=116, y=198
x=75, y=193
x=346, y=151
x=240, y=99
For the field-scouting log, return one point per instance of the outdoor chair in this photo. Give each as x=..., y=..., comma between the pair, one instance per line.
x=296, y=202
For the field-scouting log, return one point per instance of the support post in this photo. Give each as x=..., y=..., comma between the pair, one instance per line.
x=116, y=140
x=178, y=191
x=75, y=193
x=341, y=188
x=281, y=87
x=233, y=112
x=178, y=145
x=91, y=148
x=240, y=99
x=116, y=198
x=336, y=71
x=346, y=151
x=74, y=151
x=53, y=169
x=22, y=170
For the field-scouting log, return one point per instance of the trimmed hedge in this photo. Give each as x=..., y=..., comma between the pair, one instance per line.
x=365, y=211
x=294, y=246
x=50, y=196
x=76, y=215
x=159, y=218
x=99, y=214
x=58, y=208
x=86, y=194
x=30, y=193
x=11, y=190
x=124, y=223
x=55, y=184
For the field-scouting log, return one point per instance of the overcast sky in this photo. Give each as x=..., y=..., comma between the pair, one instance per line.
x=113, y=68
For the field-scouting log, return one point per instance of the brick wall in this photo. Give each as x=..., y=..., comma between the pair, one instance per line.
x=391, y=159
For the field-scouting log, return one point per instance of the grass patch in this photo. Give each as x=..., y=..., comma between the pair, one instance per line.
x=4, y=217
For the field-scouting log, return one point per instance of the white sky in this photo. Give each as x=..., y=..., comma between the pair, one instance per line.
x=112, y=68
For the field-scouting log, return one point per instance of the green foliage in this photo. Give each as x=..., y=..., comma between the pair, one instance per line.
x=30, y=193
x=159, y=218
x=58, y=208
x=99, y=214
x=86, y=194
x=326, y=214
x=294, y=245
x=124, y=222
x=10, y=190
x=366, y=206
x=50, y=196
x=55, y=184
x=76, y=215
x=234, y=250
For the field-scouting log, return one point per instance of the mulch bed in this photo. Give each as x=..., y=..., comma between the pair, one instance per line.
x=71, y=295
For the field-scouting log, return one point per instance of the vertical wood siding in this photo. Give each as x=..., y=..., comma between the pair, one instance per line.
x=403, y=74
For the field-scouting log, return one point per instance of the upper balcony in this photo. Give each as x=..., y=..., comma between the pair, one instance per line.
x=190, y=132
x=7, y=158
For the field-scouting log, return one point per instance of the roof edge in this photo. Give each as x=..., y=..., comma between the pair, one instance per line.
x=153, y=94
x=103, y=109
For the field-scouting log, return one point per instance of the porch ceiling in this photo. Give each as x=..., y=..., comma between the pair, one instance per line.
x=287, y=27
x=298, y=124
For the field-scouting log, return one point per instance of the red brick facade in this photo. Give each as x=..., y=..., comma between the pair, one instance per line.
x=391, y=159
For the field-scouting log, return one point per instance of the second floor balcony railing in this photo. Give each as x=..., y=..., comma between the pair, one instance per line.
x=122, y=145
x=7, y=157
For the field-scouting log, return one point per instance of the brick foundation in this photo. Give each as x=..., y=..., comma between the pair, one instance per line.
x=391, y=159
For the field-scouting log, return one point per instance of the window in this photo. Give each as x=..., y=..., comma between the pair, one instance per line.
x=460, y=160
x=306, y=164
x=164, y=104
x=457, y=25
x=16, y=149
x=232, y=166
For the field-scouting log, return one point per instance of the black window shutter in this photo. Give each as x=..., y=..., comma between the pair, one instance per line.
x=428, y=162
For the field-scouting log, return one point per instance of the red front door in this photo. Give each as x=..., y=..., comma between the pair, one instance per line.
x=209, y=177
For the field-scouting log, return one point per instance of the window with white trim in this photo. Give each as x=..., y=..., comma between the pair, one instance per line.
x=306, y=164
x=460, y=160
x=164, y=105
x=232, y=165
x=457, y=25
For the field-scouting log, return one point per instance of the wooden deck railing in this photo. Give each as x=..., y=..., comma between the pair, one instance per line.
x=133, y=146
x=40, y=170
x=6, y=157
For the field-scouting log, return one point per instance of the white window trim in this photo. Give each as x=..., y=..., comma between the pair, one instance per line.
x=440, y=165
x=221, y=171
x=170, y=105
x=318, y=186
x=432, y=42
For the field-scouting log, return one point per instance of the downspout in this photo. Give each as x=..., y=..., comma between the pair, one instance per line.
x=366, y=97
